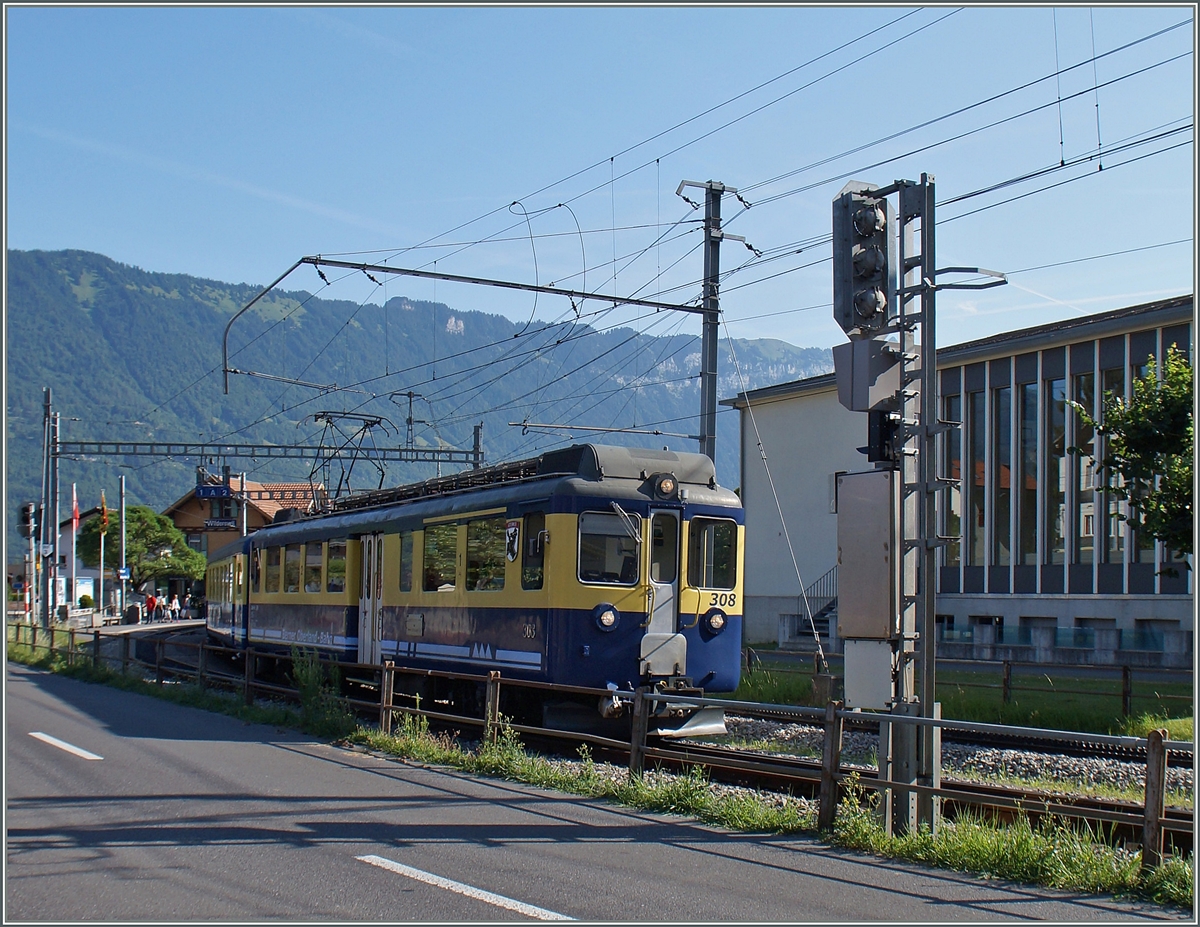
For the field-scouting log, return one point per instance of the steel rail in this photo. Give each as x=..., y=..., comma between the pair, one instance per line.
x=944, y=723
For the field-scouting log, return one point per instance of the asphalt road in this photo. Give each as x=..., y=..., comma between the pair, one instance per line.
x=172, y=814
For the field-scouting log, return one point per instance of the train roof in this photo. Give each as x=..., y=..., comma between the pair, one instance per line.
x=572, y=470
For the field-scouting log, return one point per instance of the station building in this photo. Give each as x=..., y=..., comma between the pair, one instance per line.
x=1038, y=566
x=214, y=512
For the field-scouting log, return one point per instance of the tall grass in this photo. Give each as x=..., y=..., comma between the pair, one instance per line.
x=1055, y=853
x=322, y=711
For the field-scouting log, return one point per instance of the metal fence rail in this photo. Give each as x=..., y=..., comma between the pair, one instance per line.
x=72, y=646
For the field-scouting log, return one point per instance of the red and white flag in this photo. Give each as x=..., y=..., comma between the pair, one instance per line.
x=74, y=509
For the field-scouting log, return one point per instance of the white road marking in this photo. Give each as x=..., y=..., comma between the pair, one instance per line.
x=63, y=745
x=469, y=890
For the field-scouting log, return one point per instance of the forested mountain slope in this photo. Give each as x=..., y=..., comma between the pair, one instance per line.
x=135, y=355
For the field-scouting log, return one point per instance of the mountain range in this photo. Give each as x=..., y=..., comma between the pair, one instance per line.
x=134, y=355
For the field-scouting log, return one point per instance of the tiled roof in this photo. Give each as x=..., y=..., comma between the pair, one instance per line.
x=267, y=498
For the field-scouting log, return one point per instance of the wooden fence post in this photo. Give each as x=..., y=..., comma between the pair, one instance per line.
x=492, y=709
x=124, y=653
x=202, y=665
x=831, y=759
x=71, y=647
x=1006, y=683
x=1156, y=787
x=1126, y=691
x=385, y=697
x=96, y=648
x=158, y=661
x=637, y=737
x=248, y=679
x=52, y=652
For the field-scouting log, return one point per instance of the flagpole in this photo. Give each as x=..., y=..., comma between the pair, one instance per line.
x=103, y=531
x=73, y=598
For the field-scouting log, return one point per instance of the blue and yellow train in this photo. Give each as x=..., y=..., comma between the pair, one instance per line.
x=592, y=566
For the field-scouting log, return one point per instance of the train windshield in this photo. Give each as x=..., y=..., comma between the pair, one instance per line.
x=607, y=551
x=712, y=554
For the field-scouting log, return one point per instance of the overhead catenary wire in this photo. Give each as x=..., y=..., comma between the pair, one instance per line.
x=629, y=149
x=749, y=263
x=976, y=130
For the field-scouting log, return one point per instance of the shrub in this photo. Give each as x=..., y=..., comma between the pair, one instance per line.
x=322, y=711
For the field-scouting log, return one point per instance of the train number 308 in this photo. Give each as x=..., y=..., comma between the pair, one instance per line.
x=724, y=599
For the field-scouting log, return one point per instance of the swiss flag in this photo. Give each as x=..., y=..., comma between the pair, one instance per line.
x=74, y=509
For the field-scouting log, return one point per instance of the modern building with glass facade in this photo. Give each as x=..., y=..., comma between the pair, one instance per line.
x=1034, y=543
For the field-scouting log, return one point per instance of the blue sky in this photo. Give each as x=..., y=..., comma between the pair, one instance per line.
x=227, y=142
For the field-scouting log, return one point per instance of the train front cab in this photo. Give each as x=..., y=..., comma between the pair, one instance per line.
x=654, y=590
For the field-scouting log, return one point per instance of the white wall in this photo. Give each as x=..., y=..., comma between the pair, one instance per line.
x=801, y=460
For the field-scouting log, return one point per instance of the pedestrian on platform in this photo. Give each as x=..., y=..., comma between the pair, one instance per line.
x=151, y=604
x=174, y=608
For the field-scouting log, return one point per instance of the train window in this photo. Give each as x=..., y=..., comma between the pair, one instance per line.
x=441, y=555
x=335, y=566
x=291, y=568
x=406, y=561
x=664, y=548
x=485, y=554
x=274, y=573
x=712, y=554
x=314, y=559
x=533, y=557
x=254, y=569
x=607, y=548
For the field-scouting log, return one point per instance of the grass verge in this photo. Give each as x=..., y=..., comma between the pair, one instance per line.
x=507, y=758
x=1055, y=854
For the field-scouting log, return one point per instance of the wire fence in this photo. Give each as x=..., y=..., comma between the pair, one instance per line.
x=1136, y=683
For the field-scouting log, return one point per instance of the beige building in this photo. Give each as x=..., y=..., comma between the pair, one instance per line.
x=1038, y=560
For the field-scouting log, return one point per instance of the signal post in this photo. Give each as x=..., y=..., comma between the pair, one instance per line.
x=884, y=288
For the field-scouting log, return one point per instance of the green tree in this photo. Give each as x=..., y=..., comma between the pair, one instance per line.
x=1148, y=456
x=154, y=547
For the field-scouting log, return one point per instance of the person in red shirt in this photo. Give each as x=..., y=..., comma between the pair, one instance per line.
x=151, y=604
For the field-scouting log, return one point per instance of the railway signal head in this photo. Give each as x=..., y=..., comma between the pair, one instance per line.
x=864, y=252
x=28, y=519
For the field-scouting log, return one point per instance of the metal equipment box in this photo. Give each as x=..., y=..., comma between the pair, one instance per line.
x=868, y=505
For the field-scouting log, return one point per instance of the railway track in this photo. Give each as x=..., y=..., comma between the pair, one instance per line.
x=1177, y=757
x=772, y=772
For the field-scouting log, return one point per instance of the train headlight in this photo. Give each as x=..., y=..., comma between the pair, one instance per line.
x=665, y=486
x=715, y=620
x=607, y=617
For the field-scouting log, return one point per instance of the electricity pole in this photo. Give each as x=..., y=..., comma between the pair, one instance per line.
x=710, y=307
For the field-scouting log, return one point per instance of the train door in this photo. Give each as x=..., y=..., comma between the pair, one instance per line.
x=664, y=649
x=370, y=600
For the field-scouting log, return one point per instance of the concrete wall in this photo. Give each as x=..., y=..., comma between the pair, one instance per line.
x=1069, y=611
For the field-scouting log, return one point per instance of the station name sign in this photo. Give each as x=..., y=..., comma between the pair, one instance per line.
x=220, y=523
